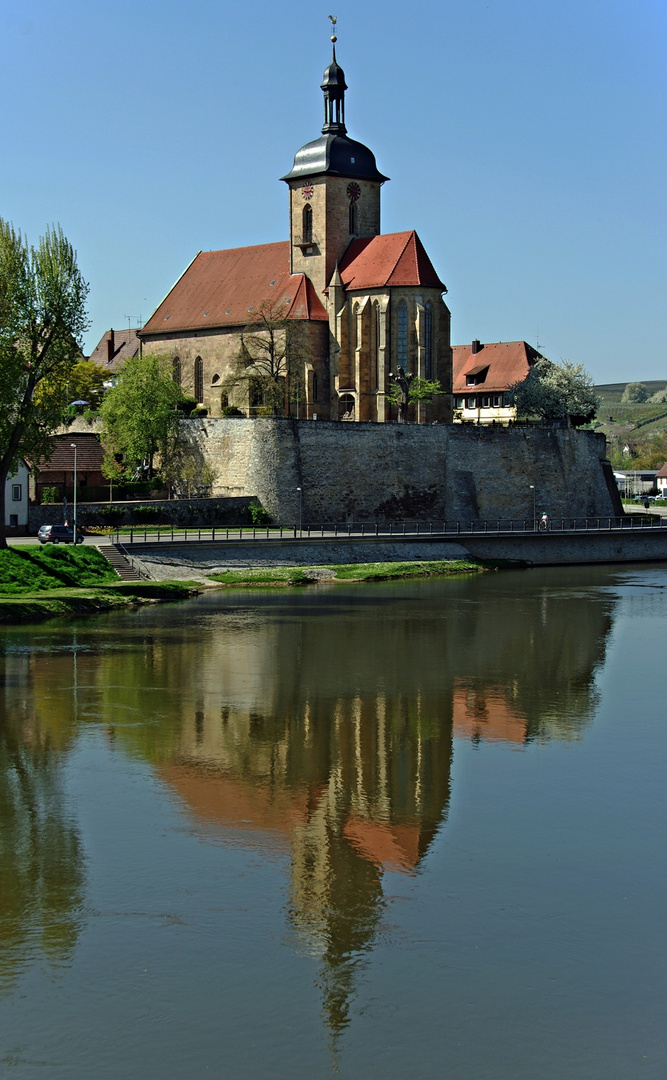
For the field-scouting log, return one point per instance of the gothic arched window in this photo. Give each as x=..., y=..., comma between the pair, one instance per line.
x=428, y=342
x=307, y=224
x=176, y=370
x=402, y=352
x=375, y=358
x=199, y=379
x=353, y=218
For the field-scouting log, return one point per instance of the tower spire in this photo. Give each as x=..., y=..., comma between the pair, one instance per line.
x=334, y=87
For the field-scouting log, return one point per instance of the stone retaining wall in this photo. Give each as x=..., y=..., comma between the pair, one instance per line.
x=204, y=513
x=391, y=472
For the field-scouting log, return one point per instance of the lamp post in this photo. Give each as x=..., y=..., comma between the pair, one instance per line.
x=300, y=511
x=73, y=445
x=532, y=488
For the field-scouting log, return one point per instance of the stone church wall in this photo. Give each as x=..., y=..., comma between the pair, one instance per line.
x=389, y=472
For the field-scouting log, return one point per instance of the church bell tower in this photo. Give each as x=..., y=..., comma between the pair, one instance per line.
x=334, y=190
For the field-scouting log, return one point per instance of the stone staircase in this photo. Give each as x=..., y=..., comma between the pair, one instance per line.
x=120, y=562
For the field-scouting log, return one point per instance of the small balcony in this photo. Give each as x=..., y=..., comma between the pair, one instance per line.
x=306, y=243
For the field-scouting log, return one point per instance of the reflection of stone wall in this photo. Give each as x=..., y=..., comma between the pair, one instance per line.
x=394, y=471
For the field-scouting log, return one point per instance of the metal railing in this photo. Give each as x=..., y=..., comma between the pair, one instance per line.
x=394, y=530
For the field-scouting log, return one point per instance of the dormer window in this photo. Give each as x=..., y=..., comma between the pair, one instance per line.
x=477, y=375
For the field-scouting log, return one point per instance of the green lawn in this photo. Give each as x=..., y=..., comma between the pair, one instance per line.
x=38, y=569
x=389, y=571
x=383, y=571
x=263, y=576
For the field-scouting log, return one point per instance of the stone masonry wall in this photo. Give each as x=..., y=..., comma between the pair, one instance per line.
x=389, y=472
x=190, y=513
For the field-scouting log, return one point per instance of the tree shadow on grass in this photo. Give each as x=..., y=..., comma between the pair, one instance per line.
x=44, y=563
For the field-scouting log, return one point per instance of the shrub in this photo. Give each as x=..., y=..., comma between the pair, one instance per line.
x=187, y=404
x=147, y=513
x=258, y=514
x=112, y=515
x=231, y=410
x=198, y=412
x=50, y=495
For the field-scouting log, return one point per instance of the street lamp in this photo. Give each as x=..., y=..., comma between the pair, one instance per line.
x=73, y=445
x=532, y=488
x=300, y=511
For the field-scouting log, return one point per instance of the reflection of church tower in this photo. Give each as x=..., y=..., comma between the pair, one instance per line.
x=334, y=190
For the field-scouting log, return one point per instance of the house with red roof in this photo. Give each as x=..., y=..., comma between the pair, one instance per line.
x=114, y=348
x=57, y=471
x=368, y=303
x=483, y=373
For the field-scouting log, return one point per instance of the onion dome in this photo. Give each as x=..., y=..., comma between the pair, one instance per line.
x=334, y=154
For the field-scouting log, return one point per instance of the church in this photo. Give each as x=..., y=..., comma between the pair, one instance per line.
x=366, y=304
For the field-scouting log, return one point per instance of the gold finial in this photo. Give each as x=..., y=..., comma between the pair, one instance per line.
x=334, y=20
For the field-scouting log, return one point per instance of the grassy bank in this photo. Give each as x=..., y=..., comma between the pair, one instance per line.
x=380, y=571
x=38, y=583
x=40, y=569
x=36, y=607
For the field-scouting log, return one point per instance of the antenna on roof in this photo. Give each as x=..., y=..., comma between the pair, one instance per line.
x=130, y=318
x=334, y=20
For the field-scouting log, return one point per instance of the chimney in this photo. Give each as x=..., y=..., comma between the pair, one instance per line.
x=110, y=347
x=476, y=346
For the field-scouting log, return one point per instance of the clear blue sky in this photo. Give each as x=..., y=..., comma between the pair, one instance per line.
x=525, y=142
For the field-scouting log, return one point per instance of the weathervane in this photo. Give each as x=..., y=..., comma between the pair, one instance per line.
x=334, y=20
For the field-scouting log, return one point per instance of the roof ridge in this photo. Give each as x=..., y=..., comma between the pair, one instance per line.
x=402, y=253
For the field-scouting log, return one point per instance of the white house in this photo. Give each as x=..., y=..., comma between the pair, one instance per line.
x=16, y=501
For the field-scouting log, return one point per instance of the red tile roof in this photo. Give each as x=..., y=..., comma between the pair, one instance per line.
x=508, y=362
x=662, y=472
x=223, y=288
x=114, y=349
x=394, y=259
x=89, y=454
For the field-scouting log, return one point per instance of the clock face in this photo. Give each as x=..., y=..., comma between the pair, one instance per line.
x=307, y=191
x=353, y=192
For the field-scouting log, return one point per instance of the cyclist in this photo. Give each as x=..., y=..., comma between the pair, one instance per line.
x=544, y=521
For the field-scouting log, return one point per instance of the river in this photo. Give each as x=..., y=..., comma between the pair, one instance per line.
x=400, y=830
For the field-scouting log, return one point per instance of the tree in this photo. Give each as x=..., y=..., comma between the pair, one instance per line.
x=556, y=392
x=270, y=361
x=407, y=389
x=86, y=383
x=42, y=322
x=140, y=413
x=184, y=469
x=634, y=394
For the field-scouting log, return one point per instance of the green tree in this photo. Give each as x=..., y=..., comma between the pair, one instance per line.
x=184, y=469
x=42, y=322
x=634, y=394
x=556, y=392
x=140, y=413
x=86, y=383
x=406, y=389
x=269, y=365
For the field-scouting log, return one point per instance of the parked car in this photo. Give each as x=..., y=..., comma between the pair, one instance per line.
x=58, y=534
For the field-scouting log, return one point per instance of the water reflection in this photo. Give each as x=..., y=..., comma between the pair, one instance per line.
x=319, y=726
x=41, y=856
